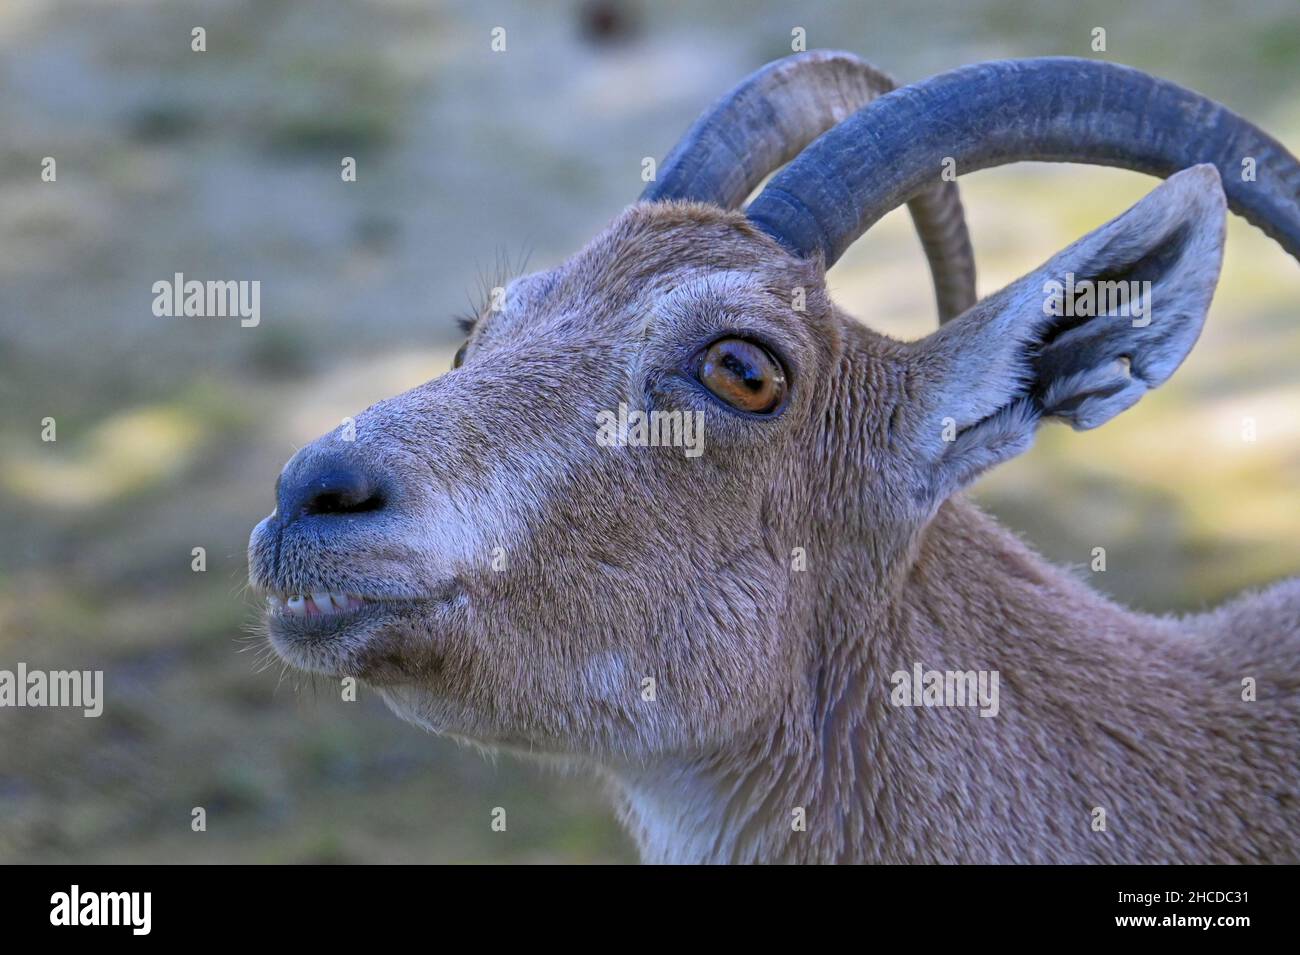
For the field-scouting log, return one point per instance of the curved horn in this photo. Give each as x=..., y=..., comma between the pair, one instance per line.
x=1054, y=109
x=770, y=117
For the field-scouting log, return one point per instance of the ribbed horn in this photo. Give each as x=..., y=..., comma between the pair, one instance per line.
x=770, y=117
x=1053, y=109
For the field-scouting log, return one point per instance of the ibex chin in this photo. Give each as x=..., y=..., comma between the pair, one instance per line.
x=728, y=637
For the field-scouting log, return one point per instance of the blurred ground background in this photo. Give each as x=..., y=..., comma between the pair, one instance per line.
x=225, y=164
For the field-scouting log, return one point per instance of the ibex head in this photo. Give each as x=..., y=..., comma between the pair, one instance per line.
x=484, y=554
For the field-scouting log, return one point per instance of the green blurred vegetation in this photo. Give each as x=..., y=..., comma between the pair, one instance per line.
x=171, y=432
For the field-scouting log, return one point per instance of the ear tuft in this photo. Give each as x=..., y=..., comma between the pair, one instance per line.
x=1085, y=399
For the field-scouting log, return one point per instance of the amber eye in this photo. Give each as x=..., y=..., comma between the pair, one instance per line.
x=743, y=375
x=459, y=358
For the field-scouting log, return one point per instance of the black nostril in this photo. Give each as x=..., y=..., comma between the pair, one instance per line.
x=332, y=489
x=340, y=492
x=343, y=502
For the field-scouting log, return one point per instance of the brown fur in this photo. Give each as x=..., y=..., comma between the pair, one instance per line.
x=772, y=684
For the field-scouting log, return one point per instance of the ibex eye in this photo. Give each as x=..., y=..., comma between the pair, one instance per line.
x=459, y=358
x=742, y=374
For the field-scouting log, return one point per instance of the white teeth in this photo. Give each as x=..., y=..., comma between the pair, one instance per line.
x=321, y=602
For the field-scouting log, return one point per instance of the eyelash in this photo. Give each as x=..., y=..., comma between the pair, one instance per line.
x=498, y=276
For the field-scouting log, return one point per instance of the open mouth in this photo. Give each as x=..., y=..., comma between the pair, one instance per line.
x=340, y=633
x=325, y=631
x=316, y=604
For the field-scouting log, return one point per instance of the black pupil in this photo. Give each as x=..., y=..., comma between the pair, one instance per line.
x=749, y=376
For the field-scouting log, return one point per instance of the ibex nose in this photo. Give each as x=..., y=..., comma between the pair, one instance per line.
x=327, y=485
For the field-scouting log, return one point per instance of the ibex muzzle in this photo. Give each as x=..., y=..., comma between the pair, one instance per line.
x=715, y=634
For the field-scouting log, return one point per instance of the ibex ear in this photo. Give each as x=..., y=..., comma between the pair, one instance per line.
x=1079, y=340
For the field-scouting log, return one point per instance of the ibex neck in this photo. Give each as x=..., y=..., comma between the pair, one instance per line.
x=842, y=773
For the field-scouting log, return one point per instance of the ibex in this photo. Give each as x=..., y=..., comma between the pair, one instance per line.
x=723, y=637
